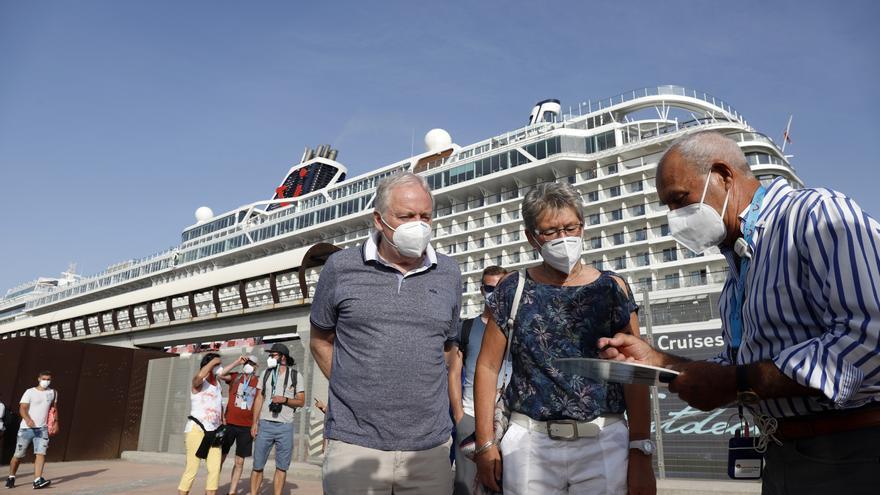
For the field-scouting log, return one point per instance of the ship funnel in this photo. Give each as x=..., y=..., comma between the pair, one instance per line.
x=545, y=111
x=332, y=154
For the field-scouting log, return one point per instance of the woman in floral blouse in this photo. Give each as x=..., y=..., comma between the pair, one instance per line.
x=567, y=432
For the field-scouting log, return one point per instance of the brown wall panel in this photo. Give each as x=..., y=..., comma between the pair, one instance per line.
x=100, y=394
x=99, y=412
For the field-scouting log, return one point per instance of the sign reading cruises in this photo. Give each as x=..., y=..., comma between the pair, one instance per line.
x=694, y=441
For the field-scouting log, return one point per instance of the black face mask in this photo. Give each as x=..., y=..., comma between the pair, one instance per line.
x=488, y=289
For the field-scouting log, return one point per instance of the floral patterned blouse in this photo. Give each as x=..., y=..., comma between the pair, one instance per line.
x=561, y=322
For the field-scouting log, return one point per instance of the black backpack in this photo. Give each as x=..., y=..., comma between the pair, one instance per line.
x=464, y=337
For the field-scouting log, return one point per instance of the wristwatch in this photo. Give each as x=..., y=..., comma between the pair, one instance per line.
x=744, y=392
x=646, y=446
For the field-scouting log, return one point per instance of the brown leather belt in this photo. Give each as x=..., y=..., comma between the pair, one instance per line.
x=826, y=424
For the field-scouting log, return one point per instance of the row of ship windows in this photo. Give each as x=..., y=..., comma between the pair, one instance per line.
x=639, y=260
x=104, y=281
x=494, y=163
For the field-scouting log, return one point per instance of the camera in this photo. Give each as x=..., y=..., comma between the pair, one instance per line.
x=275, y=407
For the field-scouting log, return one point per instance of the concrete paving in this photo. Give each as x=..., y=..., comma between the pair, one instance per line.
x=119, y=476
x=148, y=473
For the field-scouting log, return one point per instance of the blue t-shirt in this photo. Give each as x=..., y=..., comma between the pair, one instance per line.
x=561, y=322
x=475, y=341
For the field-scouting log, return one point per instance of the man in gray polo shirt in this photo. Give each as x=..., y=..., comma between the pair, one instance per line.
x=384, y=331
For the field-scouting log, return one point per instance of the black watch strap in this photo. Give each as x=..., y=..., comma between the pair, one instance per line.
x=744, y=392
x=742, y=378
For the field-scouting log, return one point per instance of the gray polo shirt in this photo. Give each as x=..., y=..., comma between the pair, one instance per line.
x=388, y=382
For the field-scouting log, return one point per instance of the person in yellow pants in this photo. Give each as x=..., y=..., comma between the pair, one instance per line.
x=193, y=440
x=205, y=415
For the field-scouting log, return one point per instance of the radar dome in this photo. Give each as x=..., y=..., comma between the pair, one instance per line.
x=203, y=214
x=437, y=140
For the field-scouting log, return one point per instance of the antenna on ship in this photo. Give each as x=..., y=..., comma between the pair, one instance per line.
x=786, y=137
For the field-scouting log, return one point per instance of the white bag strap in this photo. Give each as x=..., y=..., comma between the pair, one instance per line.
x=514, y=308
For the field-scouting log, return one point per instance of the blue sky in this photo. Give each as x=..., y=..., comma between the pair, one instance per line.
x=118, y=119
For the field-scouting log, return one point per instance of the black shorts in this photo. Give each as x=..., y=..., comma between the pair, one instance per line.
x=241, y=436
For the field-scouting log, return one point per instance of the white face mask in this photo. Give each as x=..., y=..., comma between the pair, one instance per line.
x=410, y=239
x=563, y=253
x=271, y=362
x=217, y=370
x=698, y=226
x=248, y=369
x=45, y=383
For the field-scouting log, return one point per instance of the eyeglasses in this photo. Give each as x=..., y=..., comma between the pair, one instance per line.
x=488, y=289
x=572, y=229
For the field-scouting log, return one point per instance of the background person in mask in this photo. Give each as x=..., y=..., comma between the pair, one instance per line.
x=566, y=306
x=470, y=338
x=239, y=414
x=385, y=320
x=279, y=392
x=34, y=429
x=206, y=406
x=800, y=315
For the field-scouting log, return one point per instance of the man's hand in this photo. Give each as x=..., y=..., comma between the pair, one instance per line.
x=457, y=414
x=705, y=385
x=640, y=474
x=625, y=347
x=255, y=429
x=279, y=399
x=30, y=423
x=489, y=469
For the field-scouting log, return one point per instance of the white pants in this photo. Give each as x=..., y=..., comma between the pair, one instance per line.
x=535, y=464
x=351, y=469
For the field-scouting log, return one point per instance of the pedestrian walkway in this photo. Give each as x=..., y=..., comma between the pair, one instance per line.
x=129, y=477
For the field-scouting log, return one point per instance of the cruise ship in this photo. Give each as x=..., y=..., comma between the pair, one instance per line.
x=607, y=149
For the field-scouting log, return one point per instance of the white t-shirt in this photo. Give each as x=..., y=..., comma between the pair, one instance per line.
x=206, y=406
x=39, y=401
x=2, y=412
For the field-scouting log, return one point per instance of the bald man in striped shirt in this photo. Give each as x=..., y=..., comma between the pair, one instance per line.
x=800, y=315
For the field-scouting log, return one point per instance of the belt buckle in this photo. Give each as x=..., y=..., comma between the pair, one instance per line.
x=562, y=429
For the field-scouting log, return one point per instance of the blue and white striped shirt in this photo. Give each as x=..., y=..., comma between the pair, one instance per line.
x=811, y=299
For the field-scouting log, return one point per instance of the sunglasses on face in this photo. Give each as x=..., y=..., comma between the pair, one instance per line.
x=488, y=289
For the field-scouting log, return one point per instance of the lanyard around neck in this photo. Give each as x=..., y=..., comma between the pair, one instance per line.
x=749, y=224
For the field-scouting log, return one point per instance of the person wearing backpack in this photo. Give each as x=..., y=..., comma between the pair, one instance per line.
x=239, y=414
x=279, y=393
x=36, y=426
x=470, y=338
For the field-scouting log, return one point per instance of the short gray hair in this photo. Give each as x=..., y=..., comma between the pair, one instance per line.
x=550, y=196
x=383, y=192
x=701, y=150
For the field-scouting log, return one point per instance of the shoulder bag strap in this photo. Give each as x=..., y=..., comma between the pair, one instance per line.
x=514, y=308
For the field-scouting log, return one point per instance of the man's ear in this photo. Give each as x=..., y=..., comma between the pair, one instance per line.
x=724, y=171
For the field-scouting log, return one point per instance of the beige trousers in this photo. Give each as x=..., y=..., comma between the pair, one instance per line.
x=352, y=469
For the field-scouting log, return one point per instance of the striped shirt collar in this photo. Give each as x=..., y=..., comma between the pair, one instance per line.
x=371, y=253
x=776, y=191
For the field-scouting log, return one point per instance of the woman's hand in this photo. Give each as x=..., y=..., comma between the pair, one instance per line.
x=640, y=474
x=489, y=468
